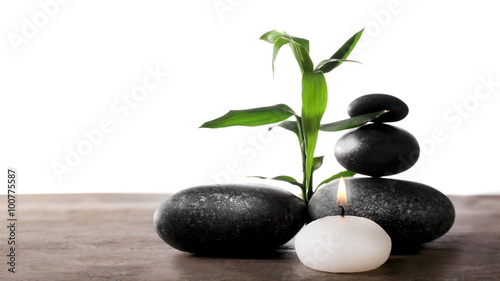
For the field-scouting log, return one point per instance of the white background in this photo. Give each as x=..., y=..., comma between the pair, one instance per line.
x=64, y=75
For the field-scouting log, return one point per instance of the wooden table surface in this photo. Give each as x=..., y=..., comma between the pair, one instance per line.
x=111, y=237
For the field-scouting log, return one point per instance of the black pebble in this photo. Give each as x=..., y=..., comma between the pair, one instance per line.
x=376, y=102
x=411, y=213
x=229, y=218
x=377, y=150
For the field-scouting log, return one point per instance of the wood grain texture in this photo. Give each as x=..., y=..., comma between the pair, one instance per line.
x=111, y=237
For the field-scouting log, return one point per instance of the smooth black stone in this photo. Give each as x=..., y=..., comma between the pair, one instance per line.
x=230, y=219
x=376, y=102
x=411, y=213
x=377, y=150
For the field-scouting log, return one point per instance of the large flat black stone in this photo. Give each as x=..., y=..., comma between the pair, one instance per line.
x=229, y=219
x=411, y=213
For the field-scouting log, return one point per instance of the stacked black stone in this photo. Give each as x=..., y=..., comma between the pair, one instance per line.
x=411, y=213
x=378, y=149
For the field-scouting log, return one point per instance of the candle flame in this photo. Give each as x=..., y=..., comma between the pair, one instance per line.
x=341, y=193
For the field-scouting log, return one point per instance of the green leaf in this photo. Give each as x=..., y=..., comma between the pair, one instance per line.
x=293, y=127
x=273, y=35
x=314, y=100
x=252, y=117
x=344, y=174
x=299, y=51
x=317, y=162
x=288, y=125
x=352, y=122
x=299, y=46
x=342, y=53
x=324, y=62
x=287, y=179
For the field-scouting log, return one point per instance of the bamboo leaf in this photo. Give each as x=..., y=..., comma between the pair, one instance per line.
x=314, y=100
x=287, y=179
x=288, y=125
x=344, y=174
x=324, y=62
x=317, y=162
x=352, y=122
x=272, y=35
x=342, y=53
x=252, y=117
x=294, y=127
x=299, y=51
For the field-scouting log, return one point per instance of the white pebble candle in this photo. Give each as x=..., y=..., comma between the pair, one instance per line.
x=343, y=244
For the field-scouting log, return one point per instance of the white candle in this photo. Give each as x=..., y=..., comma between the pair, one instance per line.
x=343, y=243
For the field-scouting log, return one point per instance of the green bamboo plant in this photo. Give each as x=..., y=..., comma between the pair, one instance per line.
x=314, y=100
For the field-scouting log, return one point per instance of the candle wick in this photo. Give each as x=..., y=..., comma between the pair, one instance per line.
x=342, y=212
